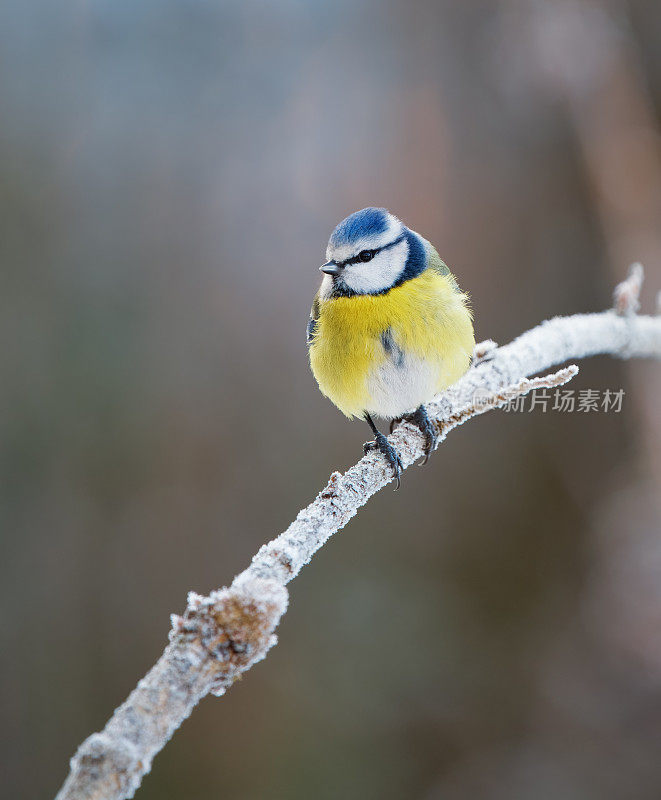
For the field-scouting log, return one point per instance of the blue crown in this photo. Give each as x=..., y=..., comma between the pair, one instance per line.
x=368, y=222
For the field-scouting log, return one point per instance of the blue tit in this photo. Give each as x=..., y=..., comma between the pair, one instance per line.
x=389, y=327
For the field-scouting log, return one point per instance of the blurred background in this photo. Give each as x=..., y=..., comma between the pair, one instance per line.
x=169, y=175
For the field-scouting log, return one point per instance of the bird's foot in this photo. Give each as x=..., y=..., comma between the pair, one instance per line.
x=420, y=418
x=394, y=422
x=381, y=444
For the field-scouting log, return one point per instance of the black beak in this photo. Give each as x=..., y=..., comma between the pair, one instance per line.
x=331, y=268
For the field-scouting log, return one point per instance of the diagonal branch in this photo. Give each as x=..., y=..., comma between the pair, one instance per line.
x=223, y=635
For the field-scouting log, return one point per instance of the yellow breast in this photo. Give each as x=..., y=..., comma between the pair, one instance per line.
x=427, y=319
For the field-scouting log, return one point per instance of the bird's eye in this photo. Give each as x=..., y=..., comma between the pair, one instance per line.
x=366, y=255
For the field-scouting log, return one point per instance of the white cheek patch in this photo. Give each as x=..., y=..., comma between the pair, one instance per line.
x=378, y=274
x=345, y=251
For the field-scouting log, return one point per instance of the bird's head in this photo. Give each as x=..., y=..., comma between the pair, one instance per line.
x=370, y=252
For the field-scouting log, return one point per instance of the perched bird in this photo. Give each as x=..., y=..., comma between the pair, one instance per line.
x=389, y=327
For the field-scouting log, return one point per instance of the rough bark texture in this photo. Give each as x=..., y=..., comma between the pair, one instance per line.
x=222, y=635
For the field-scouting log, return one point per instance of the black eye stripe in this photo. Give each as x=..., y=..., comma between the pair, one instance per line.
x=357, y=260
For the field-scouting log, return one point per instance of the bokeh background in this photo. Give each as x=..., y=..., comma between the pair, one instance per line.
x=169, y=174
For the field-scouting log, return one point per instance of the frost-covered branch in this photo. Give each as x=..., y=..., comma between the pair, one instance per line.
x=223, y=635
x=626, y=294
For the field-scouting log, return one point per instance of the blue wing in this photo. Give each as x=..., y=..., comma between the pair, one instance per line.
x=312, y=322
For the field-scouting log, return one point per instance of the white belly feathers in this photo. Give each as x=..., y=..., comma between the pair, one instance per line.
x=401, y=384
